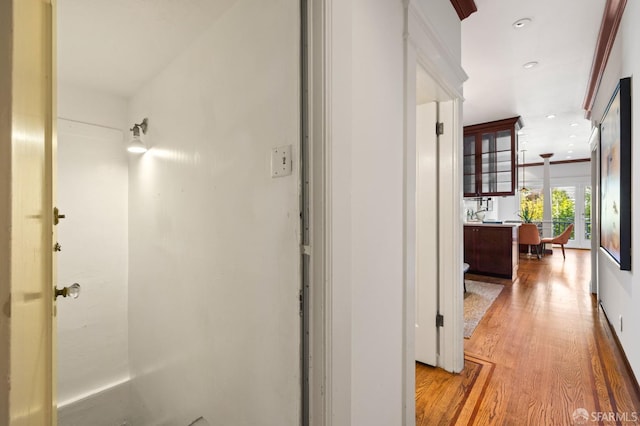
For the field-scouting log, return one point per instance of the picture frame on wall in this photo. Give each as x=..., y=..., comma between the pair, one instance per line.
x=615, y=176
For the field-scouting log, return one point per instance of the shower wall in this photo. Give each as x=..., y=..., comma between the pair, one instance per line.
x=214, y=239
x=93, y=367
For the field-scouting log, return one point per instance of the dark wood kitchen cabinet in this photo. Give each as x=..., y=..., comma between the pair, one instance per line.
x=491, y=249
x=491, y=158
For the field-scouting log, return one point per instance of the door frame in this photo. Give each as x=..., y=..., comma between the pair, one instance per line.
x=329, y=125
x=579, y=240
x=579, y=184
x=423, y=47
x=595, y=207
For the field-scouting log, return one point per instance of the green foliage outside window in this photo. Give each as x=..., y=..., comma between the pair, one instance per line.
x=562, y=208
x=532, y=207
x=587, y=213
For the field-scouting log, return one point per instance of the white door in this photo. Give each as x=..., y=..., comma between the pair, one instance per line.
x=584, y=229
x=426, y=334
x=27, y=148
x=571, y=204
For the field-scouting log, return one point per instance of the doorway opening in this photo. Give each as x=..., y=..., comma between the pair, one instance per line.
x=571, y=204
x=434, y=227
x=206, y=302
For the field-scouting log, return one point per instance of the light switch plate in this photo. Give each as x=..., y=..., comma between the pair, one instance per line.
x=281, y=161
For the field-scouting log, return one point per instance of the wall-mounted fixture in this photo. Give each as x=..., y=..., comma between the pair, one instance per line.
x=136, y=145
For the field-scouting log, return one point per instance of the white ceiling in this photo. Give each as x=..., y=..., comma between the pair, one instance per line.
x=117, y=45
x=561, y=38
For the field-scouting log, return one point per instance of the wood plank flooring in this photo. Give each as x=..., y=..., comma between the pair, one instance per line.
x=543, y=350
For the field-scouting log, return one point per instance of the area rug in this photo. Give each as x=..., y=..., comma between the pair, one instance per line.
x=477, y=300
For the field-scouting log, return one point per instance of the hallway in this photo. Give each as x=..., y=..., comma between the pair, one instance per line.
x=542, y=351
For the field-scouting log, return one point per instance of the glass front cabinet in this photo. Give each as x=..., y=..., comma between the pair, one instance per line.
x=491, y=158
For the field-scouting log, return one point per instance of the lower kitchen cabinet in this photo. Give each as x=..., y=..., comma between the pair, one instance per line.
x=491, y=249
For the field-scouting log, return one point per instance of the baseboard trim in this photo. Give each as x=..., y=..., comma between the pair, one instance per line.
x=632, y=378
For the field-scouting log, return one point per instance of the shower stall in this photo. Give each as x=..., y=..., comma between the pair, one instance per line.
x=188, y=254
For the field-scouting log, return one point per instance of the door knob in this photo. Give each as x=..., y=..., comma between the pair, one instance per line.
x=72, y=291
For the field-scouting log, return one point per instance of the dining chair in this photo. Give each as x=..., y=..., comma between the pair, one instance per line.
x=561, y=239
x=528, y=234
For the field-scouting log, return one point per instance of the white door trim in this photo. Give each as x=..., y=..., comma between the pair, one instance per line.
x=330, y=129
x=595, y=207
x=424, y=47
x=431, y=52
x=579, y=184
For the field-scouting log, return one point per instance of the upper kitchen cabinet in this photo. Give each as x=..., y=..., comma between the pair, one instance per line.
x=490, y=158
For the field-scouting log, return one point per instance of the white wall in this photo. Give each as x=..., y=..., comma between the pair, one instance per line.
x=559, y=173
x=92, y=192
x=214, y=239
x=377, y=212
x=444, y=18
x=619, y=291
x=91, y=106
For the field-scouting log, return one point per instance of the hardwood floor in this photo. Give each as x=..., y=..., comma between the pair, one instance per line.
x=543, y=350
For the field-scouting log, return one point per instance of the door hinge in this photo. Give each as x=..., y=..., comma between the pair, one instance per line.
x=301, y=299
x=439, y=320
x=439, y=129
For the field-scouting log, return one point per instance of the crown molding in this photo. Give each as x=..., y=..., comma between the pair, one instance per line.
x=611, y=18
x=464, y=8
x=432, y=53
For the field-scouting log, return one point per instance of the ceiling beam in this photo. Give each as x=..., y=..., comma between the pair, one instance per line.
x=611, y=18
x=464, y=8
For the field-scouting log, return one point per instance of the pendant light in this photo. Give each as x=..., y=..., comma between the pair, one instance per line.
x=523, y=188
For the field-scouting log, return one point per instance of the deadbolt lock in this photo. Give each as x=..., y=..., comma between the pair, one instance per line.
x=57, y=216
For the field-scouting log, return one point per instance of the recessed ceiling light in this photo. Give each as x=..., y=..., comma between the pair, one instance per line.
x=574, y=124
x=569, y=152
x=569, y=157
x=530, y=65
x=550, y=116
x=572, y=136
x=521, y=23
x=570, y=144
